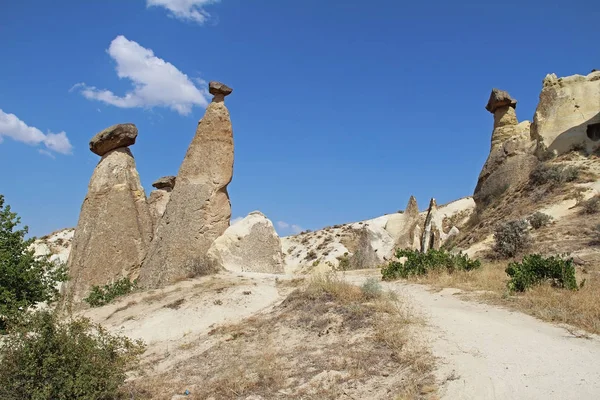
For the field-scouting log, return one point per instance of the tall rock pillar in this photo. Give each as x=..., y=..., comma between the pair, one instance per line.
x=199, y=210
x=511, y=156
x=114, y=228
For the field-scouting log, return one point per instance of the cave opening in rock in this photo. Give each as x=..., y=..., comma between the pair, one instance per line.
x=593, y=131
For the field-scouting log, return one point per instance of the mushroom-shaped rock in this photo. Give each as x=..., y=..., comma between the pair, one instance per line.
x=498, y=99
x=114, y=228
x=120, y=135
x=219, y=89
x=198, y=211
x=166, y=182
x=248, y=245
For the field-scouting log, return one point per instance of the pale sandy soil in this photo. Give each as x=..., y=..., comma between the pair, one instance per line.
x=487, y=352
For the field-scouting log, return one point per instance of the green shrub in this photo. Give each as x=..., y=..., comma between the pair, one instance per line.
x=539, y=220
x=371, y=288
x=511, y=238
x=25, y=279
x=553, y=174
x=535, y=269
x=100, y=296
x=418, y=263
x=45, y=359
x=344, y=262
x=592, y=205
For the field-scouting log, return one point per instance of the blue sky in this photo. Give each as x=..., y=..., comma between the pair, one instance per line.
x=341, y=109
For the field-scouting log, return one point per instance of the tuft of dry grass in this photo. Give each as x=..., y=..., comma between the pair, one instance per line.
x=328, y=340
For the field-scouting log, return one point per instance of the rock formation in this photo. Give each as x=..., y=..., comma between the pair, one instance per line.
x=114, y=227
x=404, y=227
x=198, y=211
x=250, y=245
x=158, y=199
x=511, y=156
x=431, y=230
x=568, y=114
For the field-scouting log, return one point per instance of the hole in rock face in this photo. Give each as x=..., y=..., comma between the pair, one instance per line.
x=593, y=131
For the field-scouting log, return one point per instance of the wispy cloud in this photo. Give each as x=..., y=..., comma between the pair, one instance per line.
x=289, y=228
x=156, y=83
x=11, y=126
x=185, y=10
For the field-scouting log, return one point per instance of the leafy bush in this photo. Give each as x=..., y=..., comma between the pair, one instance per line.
x=49, y=360
x=371, y=288
x=539, y=220
x=100, y=296
x=592, y=205
x=535, y=269
x=25, y=279
x=553, y=174
x=418, y=263
x=511, y=238
x=344, y=262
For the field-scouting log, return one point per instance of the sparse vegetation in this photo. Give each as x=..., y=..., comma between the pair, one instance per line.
x=592, y=205
x=418, y=263
x=535, y=269
x=300, y=350
x=371, y=288
x=100, y=296
x=539, y=220
x=511, y=238
x=311, y=255
x=25, y=279
x=553, y=174
x=45, y=359
x=343, y=262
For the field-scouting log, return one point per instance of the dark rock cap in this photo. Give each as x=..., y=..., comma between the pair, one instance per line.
x=120, y=135
x=498, y=99
x=165, y=182
x=218, y=88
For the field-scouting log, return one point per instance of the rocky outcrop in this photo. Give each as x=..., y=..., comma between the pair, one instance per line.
x=568, y=113
x=159, y=198
x=511, y=156
x=199, y=210
x=250, y=245
x=431, y=231
x=114, y=227
x=120, y=135
x=404, y=227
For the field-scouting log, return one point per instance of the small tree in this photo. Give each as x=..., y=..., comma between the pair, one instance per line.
x=45, y=359
x=511, y=238
x=25, y=279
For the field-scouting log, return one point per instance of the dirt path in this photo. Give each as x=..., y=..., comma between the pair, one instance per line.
x=487, y=352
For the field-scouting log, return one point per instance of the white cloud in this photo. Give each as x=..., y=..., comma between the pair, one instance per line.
x=11, y=126
x=235, y=220
x=282, y=224
x=185, y=10
x=287, y=227
x=156, y=83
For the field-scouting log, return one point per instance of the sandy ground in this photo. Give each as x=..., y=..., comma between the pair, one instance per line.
x=486, y=352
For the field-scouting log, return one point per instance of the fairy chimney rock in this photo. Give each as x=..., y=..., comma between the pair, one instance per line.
x=114, y=228
x=198, y=211
x=511, y=155
x=159, y=198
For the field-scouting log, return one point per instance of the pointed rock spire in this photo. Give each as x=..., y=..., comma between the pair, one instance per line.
x=199, y=210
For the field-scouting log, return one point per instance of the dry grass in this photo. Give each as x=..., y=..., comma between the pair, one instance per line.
x=327, y=340
x=580, y=308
